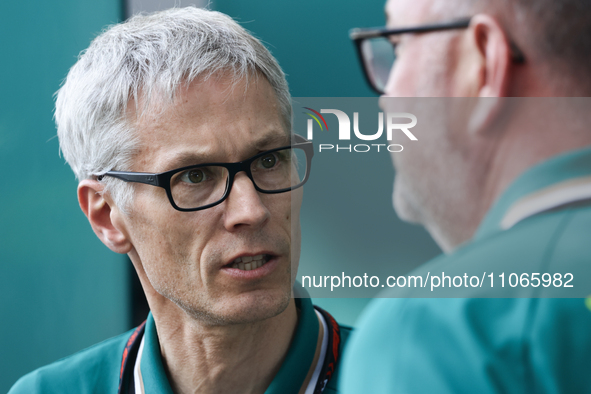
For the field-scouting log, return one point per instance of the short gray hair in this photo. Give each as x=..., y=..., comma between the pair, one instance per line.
x=557, y=32
x=148, y=57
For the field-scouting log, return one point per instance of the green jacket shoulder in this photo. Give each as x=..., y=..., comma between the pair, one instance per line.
x=92, y=370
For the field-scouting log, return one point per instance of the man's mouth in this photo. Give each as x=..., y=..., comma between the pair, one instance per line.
x=248, y=263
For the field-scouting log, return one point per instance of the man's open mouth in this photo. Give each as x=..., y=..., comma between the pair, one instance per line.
x=248, y=263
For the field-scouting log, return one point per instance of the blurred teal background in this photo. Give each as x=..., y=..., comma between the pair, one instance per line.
x=60, y=289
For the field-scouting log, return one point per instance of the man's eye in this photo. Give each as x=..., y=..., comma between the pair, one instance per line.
x=193, y=176
x=268, y=161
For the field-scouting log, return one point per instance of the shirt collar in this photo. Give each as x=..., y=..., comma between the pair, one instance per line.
x=152, y=370
x=301, y=352
x=292, y=373
x=560, y=176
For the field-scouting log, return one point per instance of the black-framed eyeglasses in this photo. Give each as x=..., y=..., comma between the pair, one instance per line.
x=377, y=53
x=203, y=186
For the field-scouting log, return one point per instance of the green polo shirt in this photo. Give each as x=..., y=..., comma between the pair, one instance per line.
x=492, y=345
x=96, y=369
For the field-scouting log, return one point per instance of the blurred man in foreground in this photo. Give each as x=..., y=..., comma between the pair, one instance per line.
x=502, y=184
x=178, y=127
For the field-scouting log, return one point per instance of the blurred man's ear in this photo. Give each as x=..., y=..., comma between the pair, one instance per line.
x=494, y=53
x=487, y=52
x=104, y=217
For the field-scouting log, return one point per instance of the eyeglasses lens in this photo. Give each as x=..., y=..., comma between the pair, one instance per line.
x=198, y=186
x=378, y=57
x=279, y=170
x=203, y=185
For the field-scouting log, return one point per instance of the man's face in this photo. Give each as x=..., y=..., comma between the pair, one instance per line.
x=424, y=65
x=188, y=256
x=428, y=170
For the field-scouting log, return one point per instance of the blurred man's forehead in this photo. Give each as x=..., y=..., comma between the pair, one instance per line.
x=404, y=13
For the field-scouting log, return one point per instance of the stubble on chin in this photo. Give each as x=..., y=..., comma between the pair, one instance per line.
x=406, y=203
x=419, y=208
x=217, y=304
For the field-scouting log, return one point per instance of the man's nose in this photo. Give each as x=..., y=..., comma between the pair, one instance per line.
x=244, y=206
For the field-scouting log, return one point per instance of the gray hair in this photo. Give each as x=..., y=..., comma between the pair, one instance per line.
x=147, y=58
x=556, y=32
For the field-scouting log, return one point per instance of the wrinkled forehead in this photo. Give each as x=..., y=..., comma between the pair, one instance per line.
x=211, y=120
x=158, y=108
x=404, y=13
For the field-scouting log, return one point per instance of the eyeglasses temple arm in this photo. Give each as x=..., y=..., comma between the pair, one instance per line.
x=138, y=177
x=357, y=34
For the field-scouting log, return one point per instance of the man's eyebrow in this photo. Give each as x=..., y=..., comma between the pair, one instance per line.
x=189, y=158
x=185, y=159
x=272, y=140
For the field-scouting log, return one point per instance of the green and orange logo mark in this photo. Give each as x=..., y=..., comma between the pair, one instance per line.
x=315, y=116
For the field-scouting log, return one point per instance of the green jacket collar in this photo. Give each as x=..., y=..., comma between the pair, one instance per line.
x=292, y=373
x=561, y=168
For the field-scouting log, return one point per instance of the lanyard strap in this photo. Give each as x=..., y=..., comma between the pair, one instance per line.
x=332, y=352
x=128, y=359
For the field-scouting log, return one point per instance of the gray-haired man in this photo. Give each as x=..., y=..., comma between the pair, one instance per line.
x=178, y=127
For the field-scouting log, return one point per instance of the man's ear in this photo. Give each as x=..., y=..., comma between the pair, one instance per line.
x=494, y=50
x=103, y=215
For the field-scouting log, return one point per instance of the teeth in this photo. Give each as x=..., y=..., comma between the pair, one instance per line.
x=248, y=263
x=248, y=259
